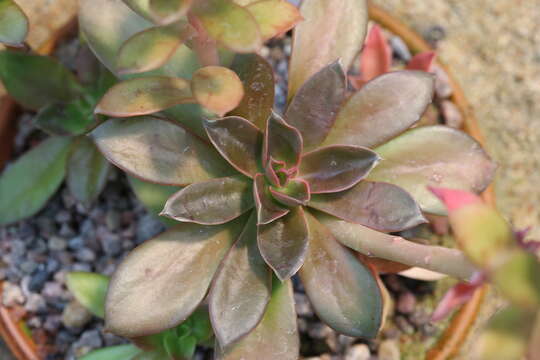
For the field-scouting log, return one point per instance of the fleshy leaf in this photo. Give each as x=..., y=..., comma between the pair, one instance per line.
x=295, y=193
x=118, y=352
x=146, y=295
x=87, y=171
x=30, y=181
x=282, y=142
x=313, y=109
x=422, y=61
x=217, y=88
x=212, y=202
x=276, y=336
x=454, y=160
x=167, y=11
x=65, y=119
x=141, y=7
x=257, y=77
x=275, y=17
x=339, y=27
x=344, y=293
x=238, y=141
x=382, y=109
x=13, y=23
x=284, y=243
x=142, y=96
x=241, y=289
x=336, y=168
x=179, y=347
x=268, y=210
x=230, y=24
x=158, y=151
x=380, y=206
x=35, y=81
x=376, y=56
x=89, y=289
x=454, y=298
x=152, y=48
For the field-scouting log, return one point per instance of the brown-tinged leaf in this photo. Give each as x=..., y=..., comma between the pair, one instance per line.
x=152, y=48
x=274, y=17
x=313, y=109
x=217, y=88
x=87, y=171
x=377, y=205
x=294, y=193
x=257, y=77
x=282, y=142
x=268, y=209
x=142, y=96
x=230, y=24
x=159, y=151
x=241, y=289
x=382, y=109
x=13, y=23
x=336, y=168
x=434, y=156
x=284, y=243
x=376, y=58
x=169, y=11
x=238, y=141
x=331, y=30
x=344, y=293
x=162, y=281
x=212, y=202
x=276, y=336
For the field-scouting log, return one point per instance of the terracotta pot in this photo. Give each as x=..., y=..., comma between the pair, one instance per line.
x=24, y=348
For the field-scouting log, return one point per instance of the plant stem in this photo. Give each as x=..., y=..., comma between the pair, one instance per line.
x=204, y=46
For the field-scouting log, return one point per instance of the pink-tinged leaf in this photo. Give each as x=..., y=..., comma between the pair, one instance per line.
x=142, y=96
x=344, y=293
x=257, y=77
x=241, y=289
x=376, y=58
x=238, y=141
x=422, y=62
x=458, y=295
x=168, y=11
x=380, y=206
x=336, y=168
x=211, y=202
x=217, y=88
x=283, y=243
x=295, y=193
x=282, y=142
x=268, y=209
x=313, y=109
x=161, y=282
x=455, y=199
x=276, y=336
x=270, y=170
x=385, y=107
x=275, y=17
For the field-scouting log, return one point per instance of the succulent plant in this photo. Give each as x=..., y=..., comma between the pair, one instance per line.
x=13, y=24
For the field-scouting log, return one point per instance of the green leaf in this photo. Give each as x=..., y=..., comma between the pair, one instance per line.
x=344, y=293
x=238, y=141
x=141, y=7
x=152, y=48
x=274, y=17
x=336, y=168
x=217, y=88
x=65, y=119
x=295, y=193
x=434, y=156
x=119, y=352
x=13, y=23
x=257, y=77
x=151, y=355
x=380, y=206
x=313, y=109
x=201, y=327
x=212, y=202
x=339, y=27
x=282, y=142
x=284, y=243
x=35, y=81
x=29, y=182
x=89, y=289
x=142, y=96
x=87, y=171
x=162, y=281
x=179, y=348
x=382, y=109
x=241, y=289
x=276, y=336
x=158, y=151
x=268, y=209
x=167, y=11
x=230, y=24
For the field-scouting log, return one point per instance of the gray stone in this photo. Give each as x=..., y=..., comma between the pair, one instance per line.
x=400, y=49
x=75, y=315
x=113, y=220
x=38, y=279
x=319, y=330
x=28, y=266
x=451, y=114
x=12, y=294
x=88, y=341
x=76, y=243
x=85, y=255
x=406, y=302
x=302, y=304
x=57, y=243
x=35, y=303
x=358, y=352
x=443, y=90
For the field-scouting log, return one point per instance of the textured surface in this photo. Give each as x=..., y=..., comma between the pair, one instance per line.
x=497, y=61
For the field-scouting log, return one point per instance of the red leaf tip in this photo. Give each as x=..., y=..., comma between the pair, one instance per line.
x=455, y=199
x=422, y=61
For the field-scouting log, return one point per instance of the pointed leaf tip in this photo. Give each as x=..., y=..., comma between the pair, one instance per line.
x=455, y=199
x=422, y=62
x=282, y=142
x=376, y=58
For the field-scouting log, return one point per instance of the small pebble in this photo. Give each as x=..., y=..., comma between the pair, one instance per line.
x=358, y=352
x=400, y=49
x=389, y=350
x=76, y=243
x=85, y=255
x=12, y=294
x=35, y=303
x=88, y=341
x=37, y=280
x=57, y=243
x=75, y=315
x=443, y=89
x=451, y=114
x=302, y=304
x=319, y=330
x=406, y=302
